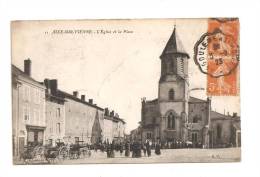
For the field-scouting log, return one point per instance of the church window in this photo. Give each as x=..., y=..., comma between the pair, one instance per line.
x=171, y=121
x=171, y=94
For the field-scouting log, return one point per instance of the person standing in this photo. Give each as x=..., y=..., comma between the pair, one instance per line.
x=144, y=149
x=134, y=149
x=139, y=149
x=108, y=150
x=121, y=148
x=112, y=149
x=158, y=148
x=148, y=148
x=95, y=147
x=127, y=149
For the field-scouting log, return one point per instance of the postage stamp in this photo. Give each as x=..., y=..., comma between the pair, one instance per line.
x=217, y=55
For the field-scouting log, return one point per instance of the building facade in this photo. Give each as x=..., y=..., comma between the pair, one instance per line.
x=114, y=126
x=198, y=121
x=76, y=120
x=225, y=130
x=55, y=113
x=108, y=127
x=84, y=120
x=28, y=108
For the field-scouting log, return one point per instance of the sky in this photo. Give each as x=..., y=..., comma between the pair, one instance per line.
x=114, y=62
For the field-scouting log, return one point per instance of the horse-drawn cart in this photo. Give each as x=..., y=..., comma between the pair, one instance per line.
x=79, y=150
x=57, y=153
x=33, y=154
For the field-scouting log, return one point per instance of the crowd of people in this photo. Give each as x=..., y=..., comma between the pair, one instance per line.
x=134, y=149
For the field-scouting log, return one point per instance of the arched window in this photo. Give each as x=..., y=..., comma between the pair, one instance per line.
x=171, y=94
x=171, y=121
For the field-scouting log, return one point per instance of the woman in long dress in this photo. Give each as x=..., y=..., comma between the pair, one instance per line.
x=158, y=148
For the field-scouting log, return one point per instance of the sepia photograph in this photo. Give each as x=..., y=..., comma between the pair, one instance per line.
x=132, y=91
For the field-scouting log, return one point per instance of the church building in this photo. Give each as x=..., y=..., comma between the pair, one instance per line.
x=175, y=116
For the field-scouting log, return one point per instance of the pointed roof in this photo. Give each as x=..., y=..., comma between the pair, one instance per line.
x=174, y=45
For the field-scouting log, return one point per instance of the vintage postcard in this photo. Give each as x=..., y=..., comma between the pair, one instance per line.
x=126, y=91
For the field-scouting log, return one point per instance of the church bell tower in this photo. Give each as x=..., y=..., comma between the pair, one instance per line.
x=173, y=89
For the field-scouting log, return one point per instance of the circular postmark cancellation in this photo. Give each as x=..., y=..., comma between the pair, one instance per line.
x=216, y=53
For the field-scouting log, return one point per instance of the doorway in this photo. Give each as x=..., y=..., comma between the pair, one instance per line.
x=21, y=145
x=35, y=137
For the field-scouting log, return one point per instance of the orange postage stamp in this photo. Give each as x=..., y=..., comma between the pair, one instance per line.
x=217, y=55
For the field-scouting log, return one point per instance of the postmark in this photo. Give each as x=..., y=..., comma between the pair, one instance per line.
x=217, y=54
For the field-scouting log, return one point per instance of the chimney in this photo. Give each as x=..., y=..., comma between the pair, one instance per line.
x=234, y=114
x=53, y=85
x=112, y=114
x=27, y=67
x=143, y=100
x=75, y=93
x=46, y=83
x=90, y=101
x=82, y=97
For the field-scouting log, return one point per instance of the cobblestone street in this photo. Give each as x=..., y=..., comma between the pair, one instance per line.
x=168, y=155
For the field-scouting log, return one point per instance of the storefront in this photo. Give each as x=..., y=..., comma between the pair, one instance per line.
x=35, y=135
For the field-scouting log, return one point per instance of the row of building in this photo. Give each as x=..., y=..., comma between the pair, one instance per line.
x=175, y=116
x=43, y=114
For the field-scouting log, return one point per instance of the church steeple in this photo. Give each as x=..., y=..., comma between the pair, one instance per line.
x=174, y=59
x=174, y=46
